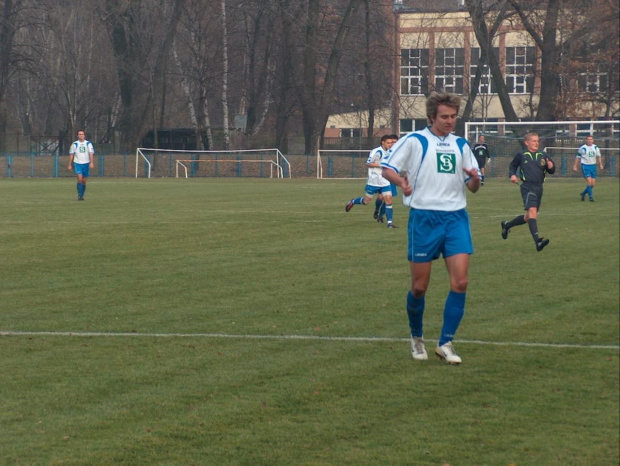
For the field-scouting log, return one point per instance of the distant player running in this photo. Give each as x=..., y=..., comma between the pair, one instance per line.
x=81, y=159
x=533, y=166
x=588, y=154
x=375, y=183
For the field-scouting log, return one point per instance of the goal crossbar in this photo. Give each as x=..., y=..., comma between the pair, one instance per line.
x=272, y=165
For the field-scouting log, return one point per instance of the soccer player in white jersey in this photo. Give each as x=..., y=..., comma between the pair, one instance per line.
x=376, y=184
x=433, y=167
x=588, y=154
x=81, y=159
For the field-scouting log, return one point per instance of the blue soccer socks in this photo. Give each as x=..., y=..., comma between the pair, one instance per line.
x=452, y=315
x=389, y=213
x=415, y=313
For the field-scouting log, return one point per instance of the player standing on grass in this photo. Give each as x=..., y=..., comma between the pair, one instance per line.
x=533, y=166
x=481, y=152
x=588, y=154
x=81, y=159
x=439, y=165
x=376, y=184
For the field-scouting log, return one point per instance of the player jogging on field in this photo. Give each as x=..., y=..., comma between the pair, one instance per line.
x=433, y=168
x=379, y=212
x=81, y=159
x=533, y=166
x=588, y=154
x=376, y=184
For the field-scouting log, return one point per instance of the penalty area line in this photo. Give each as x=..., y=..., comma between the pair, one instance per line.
x=296, y=337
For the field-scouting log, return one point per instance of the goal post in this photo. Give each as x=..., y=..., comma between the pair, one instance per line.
x=560, y=139
x=257, y=163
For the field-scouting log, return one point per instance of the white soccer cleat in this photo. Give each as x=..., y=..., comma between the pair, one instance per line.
x=448, y=353
x=418, y=350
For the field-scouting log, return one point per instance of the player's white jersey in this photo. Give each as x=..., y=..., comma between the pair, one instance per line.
x=82, y=151
x=374, y=173
x=434, y=166
x=588, y=154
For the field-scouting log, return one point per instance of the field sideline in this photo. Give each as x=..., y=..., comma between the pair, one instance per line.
x=252, y=321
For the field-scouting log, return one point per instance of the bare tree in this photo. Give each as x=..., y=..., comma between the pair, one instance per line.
x=485, y=40
x=544, y=32
x=316, y=92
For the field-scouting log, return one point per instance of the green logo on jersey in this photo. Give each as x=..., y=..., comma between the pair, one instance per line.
x=446, y=162
x=82, y=149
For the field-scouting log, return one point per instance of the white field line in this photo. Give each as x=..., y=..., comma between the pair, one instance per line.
x=294, y=337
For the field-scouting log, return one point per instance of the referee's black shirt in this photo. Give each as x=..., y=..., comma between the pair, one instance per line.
x=532, y=167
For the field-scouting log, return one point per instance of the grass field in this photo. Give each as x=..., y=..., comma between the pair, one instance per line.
x=229, y=321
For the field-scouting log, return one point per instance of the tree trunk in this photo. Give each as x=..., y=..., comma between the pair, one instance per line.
x=315, y=116
x=485, y=40
x=225, y=79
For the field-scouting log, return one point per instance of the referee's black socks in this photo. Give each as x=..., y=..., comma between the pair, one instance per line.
x=515, y=222
x=533, y=229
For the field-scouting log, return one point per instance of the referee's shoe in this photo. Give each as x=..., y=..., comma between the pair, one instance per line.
x=541, y=243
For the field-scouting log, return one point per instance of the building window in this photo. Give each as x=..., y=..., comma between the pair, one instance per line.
x=449, y=70
x=520, y=66
x=486, y=85
x=406, y=125
x=594, y=80
x=350, y=133
x=414, y=71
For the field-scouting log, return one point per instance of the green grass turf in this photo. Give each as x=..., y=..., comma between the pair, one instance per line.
x=250, y=258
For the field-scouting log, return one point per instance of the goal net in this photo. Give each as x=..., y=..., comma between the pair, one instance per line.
x=252, y=163
x=342, y=163
x=560, y=139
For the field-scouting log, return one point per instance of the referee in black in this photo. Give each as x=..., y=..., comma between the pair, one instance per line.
x=481, y=152
x=533, y=167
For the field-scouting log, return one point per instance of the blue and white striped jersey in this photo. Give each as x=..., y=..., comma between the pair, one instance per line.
x=434, y=166
x=81, y=151
x=374, y=173
x=588, y=154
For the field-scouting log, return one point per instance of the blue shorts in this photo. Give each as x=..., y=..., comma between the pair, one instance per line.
x=82, y=169
x=372, y=190
x=589, y=171
x=394, y=189
x=434, y=232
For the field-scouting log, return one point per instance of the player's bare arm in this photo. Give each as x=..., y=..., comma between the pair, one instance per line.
x=395, y=178
x=473, y=184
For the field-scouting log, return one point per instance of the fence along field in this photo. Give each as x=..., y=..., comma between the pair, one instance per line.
x=351, y=164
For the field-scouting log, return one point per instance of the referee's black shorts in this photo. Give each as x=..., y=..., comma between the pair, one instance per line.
x=532, y=195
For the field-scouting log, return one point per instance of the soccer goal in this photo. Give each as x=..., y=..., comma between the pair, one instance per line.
x=255, y=163
x=341, y=164
x=560, y=139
